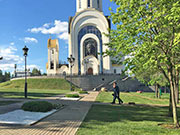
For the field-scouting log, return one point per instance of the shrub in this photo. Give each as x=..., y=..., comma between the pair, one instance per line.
x=37, y=106
x=72, y=95
x=73, y=88
x=83, y=92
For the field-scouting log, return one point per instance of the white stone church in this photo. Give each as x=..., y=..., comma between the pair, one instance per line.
x=86, y=43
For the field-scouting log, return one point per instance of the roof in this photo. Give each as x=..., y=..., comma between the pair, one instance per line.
x=116, y=65
x=53, y=43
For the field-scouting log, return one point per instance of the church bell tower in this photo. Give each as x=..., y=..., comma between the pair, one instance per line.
x=87, y=4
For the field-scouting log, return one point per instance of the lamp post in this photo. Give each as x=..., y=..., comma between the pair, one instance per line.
x=71, y=60
x=15, y=67
x=25, y=49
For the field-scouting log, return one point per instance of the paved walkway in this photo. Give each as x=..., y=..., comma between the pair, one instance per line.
x=63, y=122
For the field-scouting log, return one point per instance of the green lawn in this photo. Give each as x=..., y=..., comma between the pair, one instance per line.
x=126, y=120
x=49, y=83
x=138, y=98
x=32, y=93
x=37, y=88
x=129, y=119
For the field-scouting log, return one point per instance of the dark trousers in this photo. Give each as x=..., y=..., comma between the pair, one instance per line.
x=114, y=99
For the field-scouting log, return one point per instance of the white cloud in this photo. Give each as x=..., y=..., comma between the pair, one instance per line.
x=30, y=40
x=63, y=36
x=59, y=28
x=9, y=58
x=12, y=43
x=6, y=67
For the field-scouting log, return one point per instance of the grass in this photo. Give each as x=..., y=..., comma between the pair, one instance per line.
x=83, y=92
x=138, y=98
x=72, y=95
x=37, y=88
x=129, y=119
x=49, y=83
x=126, y=120
x=32, y=93
x=7, y=102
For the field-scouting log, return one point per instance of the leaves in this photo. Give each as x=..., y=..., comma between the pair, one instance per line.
x=148, y=32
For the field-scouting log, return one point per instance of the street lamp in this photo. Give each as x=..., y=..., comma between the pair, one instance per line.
x=71, y=60
x=15, y=67
x=25, y=49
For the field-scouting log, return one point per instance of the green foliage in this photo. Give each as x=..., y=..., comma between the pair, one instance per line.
x=4, y=77
x=72, y=95
x=37, y=106
x=83, y=92
x=73, y=88
x=147, y=32
x=36, y=72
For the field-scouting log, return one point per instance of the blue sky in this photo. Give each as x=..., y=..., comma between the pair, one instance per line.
x=30, y=23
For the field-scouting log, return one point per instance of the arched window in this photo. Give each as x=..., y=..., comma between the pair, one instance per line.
x=79, y=3
x=85, y=30
x=98, y=3
x=89, y=3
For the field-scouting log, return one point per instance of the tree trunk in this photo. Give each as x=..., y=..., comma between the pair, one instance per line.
x=165, y=89
x=177, y=86
x=174, y=108
x=170, y=106
x=156, y=91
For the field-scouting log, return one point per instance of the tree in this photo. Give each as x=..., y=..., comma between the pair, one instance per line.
x=36, y=72
x=1, y=76
x=4, y=77
x=148, y=31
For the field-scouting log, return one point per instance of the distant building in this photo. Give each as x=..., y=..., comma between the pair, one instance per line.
x=22, y=73
x=53, y=67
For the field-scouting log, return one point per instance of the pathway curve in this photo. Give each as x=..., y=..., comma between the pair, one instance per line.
x=63, y=122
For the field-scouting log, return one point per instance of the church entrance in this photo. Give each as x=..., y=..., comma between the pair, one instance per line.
x=90, y=71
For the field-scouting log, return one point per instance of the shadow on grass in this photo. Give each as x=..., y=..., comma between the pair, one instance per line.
x=109, y=113
x=30, y=94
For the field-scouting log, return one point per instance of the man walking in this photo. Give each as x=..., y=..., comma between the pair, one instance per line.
x=116, y=94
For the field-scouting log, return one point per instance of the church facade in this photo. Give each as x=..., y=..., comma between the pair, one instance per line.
x=87, y=41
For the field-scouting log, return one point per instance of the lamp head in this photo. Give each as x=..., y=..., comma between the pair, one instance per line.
x=71, y=59
x=25, y=49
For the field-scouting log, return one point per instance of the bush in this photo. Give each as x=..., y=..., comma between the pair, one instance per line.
x=37, y=106
x=83, y=92
x=72, y=95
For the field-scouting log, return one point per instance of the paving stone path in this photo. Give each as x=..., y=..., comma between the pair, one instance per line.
x=64, y=122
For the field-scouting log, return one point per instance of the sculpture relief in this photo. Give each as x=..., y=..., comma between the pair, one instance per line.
x=90, y=47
